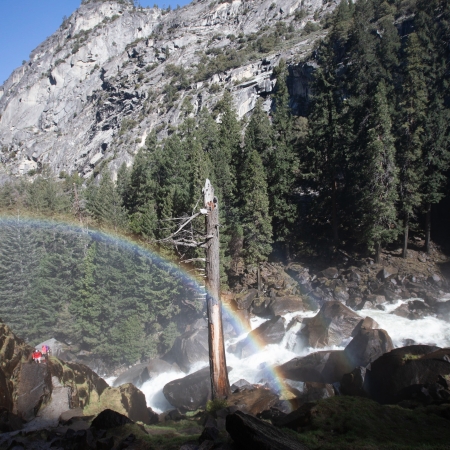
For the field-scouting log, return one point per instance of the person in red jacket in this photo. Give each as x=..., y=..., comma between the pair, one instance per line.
x=37, y=355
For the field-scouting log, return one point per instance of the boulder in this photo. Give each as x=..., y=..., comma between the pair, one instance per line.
x=331, y=326
x=13, y=351
x=245, y=300
x=412, y=310
x=9, y=421
x=386, y=273
x=367, y=346
x=313, y=391
x=136, y=375
x=108, y=419
x=341, y=294
x=261, y=306
x=190, y=348
x=140, y=373
x=330, y=273
x=127, y=400
x=85, y=385
x=353, y=383
x=270, y=332
x=239, y=319
x=33, y=389
x=242, y=385
x=253, y=401
x=252, y=433
x=401, y=368
x=320, y=367
x=284, y=305
x=191, y=392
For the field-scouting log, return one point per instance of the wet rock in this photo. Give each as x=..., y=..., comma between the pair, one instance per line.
x=330, y=273
x=189, y=348
x=412, y=310
x=241, y=385
x=9, y=421
x=136, y=375
x=191, y=392
x=375, y=299
x=253, y=401
x=386, y=273
x=285, y=305
x=353, y=383
x=244, y=301
x=313, y=391
x=341, y=294
x=402, y=368
x=140, y=373
x=85, y=385
x=108, y=419
x=331, y=326
x=33, y=390
x=126, y=399
x=320, y=367
x=436, y=279
x=270, y=332
x=252, y=433
x=261, y=306
x=353, y=275
x=367, y=346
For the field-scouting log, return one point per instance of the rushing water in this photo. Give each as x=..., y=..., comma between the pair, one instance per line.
x=258, y=367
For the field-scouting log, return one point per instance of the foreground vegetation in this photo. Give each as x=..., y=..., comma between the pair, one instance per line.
x=358, y=423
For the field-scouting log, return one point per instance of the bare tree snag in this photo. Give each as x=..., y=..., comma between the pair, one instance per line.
x=220, y=386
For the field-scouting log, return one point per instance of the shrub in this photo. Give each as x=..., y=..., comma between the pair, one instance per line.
x=215, y=405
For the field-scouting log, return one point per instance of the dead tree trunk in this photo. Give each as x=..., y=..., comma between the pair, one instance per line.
x=220, y=386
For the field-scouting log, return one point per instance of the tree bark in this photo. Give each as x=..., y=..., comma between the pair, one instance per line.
x=259, y=280
x=220, y=386
x=378, y=253
x=428, y=228
x=405, y=237
x=334, y=220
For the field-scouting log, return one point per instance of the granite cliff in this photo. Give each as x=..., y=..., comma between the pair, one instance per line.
x=91, y=93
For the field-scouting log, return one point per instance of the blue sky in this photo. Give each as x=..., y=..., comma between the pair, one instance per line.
x=24, y=24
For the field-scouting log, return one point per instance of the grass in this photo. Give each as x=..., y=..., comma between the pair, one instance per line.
x=359, y=423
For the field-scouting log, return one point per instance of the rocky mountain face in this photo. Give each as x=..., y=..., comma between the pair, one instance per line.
x=92, y=92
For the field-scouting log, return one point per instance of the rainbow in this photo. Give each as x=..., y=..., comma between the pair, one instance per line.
x=241, y=327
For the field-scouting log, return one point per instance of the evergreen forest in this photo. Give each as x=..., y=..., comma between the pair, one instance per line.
x=361, y=169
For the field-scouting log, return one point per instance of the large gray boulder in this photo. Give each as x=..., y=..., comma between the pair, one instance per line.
x=333, y=324
x=367, y=346
x=270, y=332
x=284, y=305
x=140, y=373
x=190, y=348
x=402, y=368
x=191, y=392
x=34, y=389
x=319, y=367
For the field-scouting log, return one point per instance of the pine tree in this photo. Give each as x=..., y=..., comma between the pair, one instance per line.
x=225, y=156
x=104, y=202
x=413, y=110
x=378, y=178
x=19, y=259
x=326, y=156
x=257, y=229
x=282, y=165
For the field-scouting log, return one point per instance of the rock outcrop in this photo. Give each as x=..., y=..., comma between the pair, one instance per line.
x=92, y=92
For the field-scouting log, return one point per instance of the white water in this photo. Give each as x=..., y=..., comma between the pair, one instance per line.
x=258, y=367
